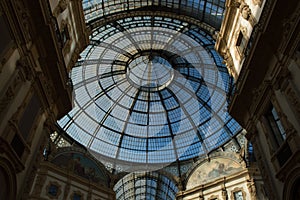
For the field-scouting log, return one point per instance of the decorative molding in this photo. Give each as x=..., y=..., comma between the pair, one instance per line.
x=228, y=61
x=67, y=46
x=75, y=56
x=22, y=73
x=224, y=191
x=240, y=53
x=252, y=188
x=201, y=196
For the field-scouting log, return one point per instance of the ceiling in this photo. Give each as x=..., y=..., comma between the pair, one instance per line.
x=150, y=89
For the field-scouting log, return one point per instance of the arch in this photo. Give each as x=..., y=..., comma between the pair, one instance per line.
x=206, y=170
x=81, y=163
x=291, y=189
x=8, y=189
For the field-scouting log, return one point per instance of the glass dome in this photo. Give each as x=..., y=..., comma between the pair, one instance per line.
x=150, y=186
x=150, y=91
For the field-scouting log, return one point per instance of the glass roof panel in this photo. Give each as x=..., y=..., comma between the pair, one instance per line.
x=145, y=186
x=150, y=91
x=208, y=11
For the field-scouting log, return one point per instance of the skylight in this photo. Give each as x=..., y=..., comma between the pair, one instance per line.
x=150, y=91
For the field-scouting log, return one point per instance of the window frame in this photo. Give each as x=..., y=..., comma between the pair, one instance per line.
x=241, y=42
x=277, y=129
x=236, y=190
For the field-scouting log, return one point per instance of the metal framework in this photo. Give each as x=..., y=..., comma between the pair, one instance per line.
x=208, y=11
x=136, y=186
x=149, y=91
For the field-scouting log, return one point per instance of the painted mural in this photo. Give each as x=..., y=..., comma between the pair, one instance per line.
x=81, y=165
x=210, y=171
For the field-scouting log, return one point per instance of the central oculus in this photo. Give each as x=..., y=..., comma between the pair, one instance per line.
x=150, y=72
